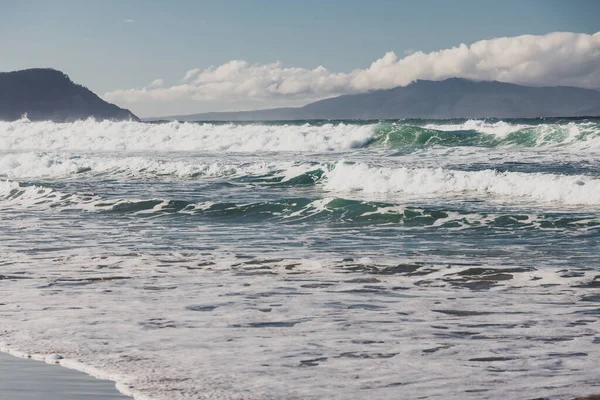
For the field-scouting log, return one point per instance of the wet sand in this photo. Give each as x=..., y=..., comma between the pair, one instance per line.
x=22, y=379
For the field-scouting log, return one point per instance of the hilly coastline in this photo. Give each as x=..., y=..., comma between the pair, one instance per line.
x=48, y=94
x=450, y=98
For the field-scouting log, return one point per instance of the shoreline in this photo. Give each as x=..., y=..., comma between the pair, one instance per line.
x=29, y=378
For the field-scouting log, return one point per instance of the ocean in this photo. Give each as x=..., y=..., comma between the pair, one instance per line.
x=454, y=259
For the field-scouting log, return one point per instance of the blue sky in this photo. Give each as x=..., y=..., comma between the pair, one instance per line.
x=111, y=45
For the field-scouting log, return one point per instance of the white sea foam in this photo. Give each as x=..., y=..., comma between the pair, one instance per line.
x=29, y=165
x=133, y=137
x=206, y=334
x=343, y=179
x=15, y=195
x=110, y=136
x=60, y=165
x=500, y=128
x=563, y=189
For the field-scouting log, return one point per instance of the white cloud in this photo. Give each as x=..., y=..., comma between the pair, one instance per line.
x=190, y=74
x=560, y=58
x=129, y=21
x=157, y=83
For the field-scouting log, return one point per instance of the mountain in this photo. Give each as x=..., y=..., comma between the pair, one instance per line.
x=450, y=98
x=48, y=94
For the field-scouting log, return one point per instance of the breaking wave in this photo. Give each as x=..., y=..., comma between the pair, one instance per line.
x=362, y=180
x=56, y=165
x=292, y=210
x=299, y=136
x=498, y=134
x=108, y=136
x=439, y=182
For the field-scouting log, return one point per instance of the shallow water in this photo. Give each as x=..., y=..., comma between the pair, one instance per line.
x=33, y=380
x=432, y=259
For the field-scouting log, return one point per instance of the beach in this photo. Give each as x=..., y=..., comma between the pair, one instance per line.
x=22, y=379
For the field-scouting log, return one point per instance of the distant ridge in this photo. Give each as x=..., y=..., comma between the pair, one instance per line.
x=48, y=94
x=450, y=98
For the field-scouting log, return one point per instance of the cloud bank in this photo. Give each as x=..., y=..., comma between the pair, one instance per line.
x=560, y=58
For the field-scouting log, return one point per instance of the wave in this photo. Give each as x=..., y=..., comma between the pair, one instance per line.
x=439, y=182
x=107, y=136
x=57, y=165
x=582, y=136
x=293, y=210
x=50, y=166
x=19, y=196
x=356, y=179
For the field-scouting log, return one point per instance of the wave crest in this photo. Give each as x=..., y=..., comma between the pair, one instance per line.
x=292, y=210
x=438, y=182
x=581, y=136
x=107, y=136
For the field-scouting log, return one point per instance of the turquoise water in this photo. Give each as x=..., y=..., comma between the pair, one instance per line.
x=307, y=259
